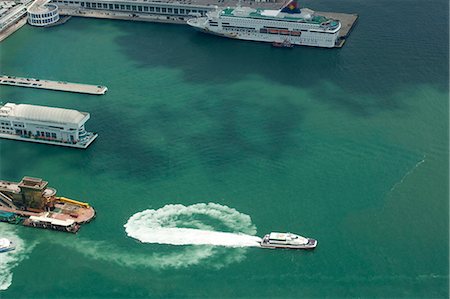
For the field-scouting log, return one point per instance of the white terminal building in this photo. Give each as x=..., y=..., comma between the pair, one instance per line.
x=42, y=124
x=40, y=14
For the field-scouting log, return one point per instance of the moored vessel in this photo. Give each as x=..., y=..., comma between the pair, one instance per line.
x=6, y=245
x=31, y=202
x=290, y=24
x=41, y=124
x=287, y=240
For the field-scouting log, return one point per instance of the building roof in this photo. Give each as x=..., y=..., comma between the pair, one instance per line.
x=45, y=114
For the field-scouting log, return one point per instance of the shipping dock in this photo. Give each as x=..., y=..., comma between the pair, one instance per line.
x=53, y=85
x=32, y=203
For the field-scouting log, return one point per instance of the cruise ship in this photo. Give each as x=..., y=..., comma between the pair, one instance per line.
x=42, y=124
x=288, y=26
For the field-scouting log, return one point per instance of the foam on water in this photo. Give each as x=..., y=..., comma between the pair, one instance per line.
x=183, y=258
x=9, y=260
x=177, y=225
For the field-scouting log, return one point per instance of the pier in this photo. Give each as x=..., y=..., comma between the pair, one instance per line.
x=53, y=85
x=348, y=22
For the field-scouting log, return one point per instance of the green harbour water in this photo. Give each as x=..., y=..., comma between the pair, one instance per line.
x=348, y=146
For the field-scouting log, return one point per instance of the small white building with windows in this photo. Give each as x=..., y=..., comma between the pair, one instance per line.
x=42, y=124
x=43, y=14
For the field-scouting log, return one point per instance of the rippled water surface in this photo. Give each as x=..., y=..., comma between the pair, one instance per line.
x=216, y=142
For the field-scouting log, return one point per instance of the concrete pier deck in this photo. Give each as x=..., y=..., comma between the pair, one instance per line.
x=348, y=21
x=53, y=85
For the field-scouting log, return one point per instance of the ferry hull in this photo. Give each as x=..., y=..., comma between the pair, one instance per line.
x=7, y=249
x=309, y=246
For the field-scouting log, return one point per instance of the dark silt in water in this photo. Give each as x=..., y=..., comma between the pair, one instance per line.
x=347, y=146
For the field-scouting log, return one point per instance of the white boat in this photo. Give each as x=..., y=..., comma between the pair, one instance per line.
x=290, y=24
x=6, y=245
x=287, y=240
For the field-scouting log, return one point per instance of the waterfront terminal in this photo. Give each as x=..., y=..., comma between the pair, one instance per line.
x=31, y=202
x=179, y=12
x=41, y=124
x=51, y=12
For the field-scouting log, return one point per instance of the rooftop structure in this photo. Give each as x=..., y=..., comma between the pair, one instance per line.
x=42, y=13
x=42, y=124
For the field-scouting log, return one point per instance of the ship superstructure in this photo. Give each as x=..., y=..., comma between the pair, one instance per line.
x=32, y=202
x=290, y=24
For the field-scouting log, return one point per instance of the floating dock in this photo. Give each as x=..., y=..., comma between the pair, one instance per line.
x=53, y=85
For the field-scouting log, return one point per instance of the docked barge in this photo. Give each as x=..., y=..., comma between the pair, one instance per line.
x=32, y=203
x=41, y=124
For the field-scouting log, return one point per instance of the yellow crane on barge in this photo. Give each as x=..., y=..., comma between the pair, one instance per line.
x=75, y=202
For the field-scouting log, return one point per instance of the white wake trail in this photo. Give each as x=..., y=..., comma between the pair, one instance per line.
x=9, y=260
x=178, y=225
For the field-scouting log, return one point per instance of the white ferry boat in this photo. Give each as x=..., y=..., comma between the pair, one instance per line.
x=42, y=124
x=287, y=240
x=6, y=245
x=290, y=25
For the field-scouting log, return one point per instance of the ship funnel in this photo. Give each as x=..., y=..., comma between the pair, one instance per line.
x=291, y=7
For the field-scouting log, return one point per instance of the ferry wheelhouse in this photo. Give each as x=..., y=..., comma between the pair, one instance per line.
x=287, y=240
x=288, y=25
x=42, y=124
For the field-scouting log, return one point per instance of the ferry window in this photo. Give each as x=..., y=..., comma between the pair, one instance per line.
x=139, y=8
x=158, y=9
x=110, y=6
x=105, y=5
x=181, y=11
x=82, y=4
x=188, y=11
x=152, y=8
x=116, y=6
x=133, y=7
x=71, y=2
x=175, y=10
x=163, y=9
x=128, y=7
x=169, y=10
x=145, y=8
x=94, y=5
x=122, y=6
x=47, y=134
x=53, y=135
